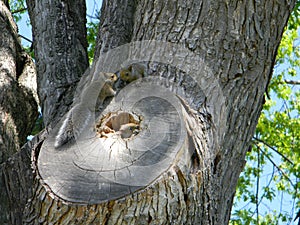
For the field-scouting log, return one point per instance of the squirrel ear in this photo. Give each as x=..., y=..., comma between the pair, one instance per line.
x=130, y=68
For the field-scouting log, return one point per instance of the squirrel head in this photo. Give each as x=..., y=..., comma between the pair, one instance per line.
x=110, y=78
x=126, y=74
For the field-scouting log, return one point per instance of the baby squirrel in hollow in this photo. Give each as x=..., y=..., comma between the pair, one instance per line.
x=129, y=129
x=77, y=118
x=126, y=130
x=132, y=72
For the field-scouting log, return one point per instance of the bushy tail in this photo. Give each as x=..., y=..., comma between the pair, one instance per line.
x=65, y=133
x=75, y=122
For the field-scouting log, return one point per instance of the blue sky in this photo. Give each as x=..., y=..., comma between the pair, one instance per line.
x=24, y=24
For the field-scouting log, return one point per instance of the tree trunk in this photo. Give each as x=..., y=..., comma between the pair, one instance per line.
x=61, y=58
x=206, y=71
x=60, y=47
x=18, y=106
x=18, y=111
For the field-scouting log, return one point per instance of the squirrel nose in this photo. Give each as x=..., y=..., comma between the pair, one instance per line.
x=127, y=130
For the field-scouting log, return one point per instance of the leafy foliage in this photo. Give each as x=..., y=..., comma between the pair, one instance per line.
x=18, y=8
x=92, y=30
x=272, y=173
x=38, y=126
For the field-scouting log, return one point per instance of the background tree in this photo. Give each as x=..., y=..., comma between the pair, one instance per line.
x=271, y=175
x=243, y=73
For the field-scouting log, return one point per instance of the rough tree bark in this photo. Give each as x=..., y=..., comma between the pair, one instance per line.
x=60, y=47
x=236, y=41
x=18, y=107
x=18, y=110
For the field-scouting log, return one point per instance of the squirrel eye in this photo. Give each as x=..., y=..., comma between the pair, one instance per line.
x=127, y=74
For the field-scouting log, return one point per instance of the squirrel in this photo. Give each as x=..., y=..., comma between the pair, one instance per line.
x=73, y=125
x=129, y=129
x=126, y=130
x=79, y=115
x=132, y=72
x=107, y=90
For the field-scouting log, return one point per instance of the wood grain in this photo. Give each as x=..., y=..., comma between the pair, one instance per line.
x=93, y=170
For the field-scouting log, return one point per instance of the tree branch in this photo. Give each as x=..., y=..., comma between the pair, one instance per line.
x=257, y=186
x=19, y=10
x=277, y=167
x=25, y=38
x=293, y=82
x=93, y=17
x=264, y=194
x=271, y=147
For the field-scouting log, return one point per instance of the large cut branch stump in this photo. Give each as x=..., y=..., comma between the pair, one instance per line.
x=105, y=163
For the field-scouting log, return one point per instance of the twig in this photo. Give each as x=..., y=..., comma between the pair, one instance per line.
x=277, y=167
x=294, y=82
x=25, y=38
x=19, y=10
x=257, y=186
x=271, y=147
x=269, y=184
x=93, y=17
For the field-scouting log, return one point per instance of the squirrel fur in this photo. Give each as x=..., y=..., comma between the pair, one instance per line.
x=129, y=129
x=132, y=72
x=77, y=118
x=107, y=90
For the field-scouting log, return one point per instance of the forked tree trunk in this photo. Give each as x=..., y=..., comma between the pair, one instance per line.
x=206, y=71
